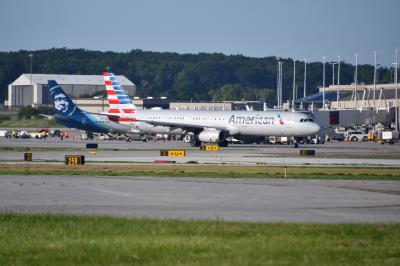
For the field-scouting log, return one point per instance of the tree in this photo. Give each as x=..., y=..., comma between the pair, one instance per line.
x=197, y=77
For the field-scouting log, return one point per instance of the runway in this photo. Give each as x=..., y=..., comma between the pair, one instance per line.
x=309, y=201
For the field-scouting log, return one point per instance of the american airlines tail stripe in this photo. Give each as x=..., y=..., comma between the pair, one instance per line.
x=122, y=97
x=116, y=95
x=113, y=101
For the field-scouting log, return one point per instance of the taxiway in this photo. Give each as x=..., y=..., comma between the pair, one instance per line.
x=257, y=200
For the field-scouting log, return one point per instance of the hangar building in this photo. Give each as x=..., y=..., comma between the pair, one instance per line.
x=33, y=90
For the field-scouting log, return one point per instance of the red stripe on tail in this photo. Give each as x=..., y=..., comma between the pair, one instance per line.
x=128, y=111
x=113, y=101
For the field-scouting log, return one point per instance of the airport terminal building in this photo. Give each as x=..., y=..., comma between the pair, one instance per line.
x=33, y=90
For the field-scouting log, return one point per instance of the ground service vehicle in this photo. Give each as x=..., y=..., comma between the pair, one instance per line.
x=355, y=136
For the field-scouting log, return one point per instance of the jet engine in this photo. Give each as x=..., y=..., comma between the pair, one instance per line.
x=212, y=136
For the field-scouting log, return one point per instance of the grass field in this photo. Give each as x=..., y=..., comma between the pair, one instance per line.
x=72, y=240
x=189, y=170
x=37, y=122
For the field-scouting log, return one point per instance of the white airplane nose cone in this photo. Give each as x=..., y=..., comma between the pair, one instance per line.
x=315, y=128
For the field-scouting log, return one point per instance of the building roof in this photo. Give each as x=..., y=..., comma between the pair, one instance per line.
x=360, y=87
x=25, y=79
x=318, y=97
x=386, y=94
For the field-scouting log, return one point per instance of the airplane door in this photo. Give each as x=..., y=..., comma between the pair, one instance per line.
x=83, y=120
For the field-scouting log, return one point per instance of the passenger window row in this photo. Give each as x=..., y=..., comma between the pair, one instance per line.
x=306, y=120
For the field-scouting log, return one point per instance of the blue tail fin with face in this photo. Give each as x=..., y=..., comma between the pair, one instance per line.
x=63, y=104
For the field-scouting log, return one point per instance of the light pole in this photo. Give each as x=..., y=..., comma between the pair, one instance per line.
x=323, y=84
x=305, y=77
x=396, y=82
x=333, y=73
x=279, y=85
x=294, y=83
x=374, y=93
x=355, y=82
x=31, y=57
x=338, y=83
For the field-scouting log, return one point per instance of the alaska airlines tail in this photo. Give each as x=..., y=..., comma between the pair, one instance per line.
x=68, y=114
x=63, y=104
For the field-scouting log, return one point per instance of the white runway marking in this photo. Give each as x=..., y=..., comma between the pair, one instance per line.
x=122, y=194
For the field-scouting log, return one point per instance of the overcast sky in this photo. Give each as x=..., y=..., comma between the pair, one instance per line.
x=257, y=28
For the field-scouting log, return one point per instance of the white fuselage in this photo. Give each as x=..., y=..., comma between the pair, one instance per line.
x=247, y=123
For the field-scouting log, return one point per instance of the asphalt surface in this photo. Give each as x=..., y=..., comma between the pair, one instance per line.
x=336, y=153
x=205, y=198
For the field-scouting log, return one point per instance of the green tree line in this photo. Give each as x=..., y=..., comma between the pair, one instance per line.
x=183, y=77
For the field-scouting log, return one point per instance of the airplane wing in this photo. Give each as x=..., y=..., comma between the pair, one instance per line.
x=102, y=113
x=50, y=117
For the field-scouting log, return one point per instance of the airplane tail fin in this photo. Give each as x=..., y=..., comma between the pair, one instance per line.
x=117, y=97
x=63, y=104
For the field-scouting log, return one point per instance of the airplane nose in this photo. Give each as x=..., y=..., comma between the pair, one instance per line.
x=315, y=128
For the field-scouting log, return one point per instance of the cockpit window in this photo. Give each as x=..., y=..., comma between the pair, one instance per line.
x=301, y=120
x=310, y=120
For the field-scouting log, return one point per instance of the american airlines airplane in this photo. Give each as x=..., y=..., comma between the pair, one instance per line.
x=207, y=126
x=68, y=114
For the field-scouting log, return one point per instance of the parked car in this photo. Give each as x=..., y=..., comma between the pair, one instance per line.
x=38, y=135
x=339, y=136
x=55, y=133
x=44, y=130
x=138, y=137
x=355, y=136
x=23, y=134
